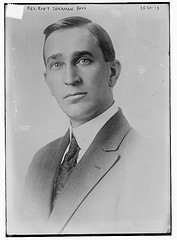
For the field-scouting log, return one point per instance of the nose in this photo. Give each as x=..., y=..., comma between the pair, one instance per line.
x=71, y=76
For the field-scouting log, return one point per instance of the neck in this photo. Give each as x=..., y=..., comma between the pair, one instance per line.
x=78, y=122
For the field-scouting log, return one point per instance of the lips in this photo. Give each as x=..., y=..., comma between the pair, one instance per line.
x=79, y=94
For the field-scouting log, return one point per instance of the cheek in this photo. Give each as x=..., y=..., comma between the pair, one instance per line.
x=54, y=79
x=98, y=80
x=55, y=86
x=96, y=76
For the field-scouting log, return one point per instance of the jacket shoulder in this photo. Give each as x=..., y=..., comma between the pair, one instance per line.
x=46, y=151
x=44, y=158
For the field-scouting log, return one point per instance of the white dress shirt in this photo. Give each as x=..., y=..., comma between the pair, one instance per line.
x=86, y=132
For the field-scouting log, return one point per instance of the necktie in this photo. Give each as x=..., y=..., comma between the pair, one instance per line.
x=65, y=169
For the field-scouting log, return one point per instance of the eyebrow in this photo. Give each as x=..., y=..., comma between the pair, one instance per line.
x=75, y=55
x=82, y=53
x=54, y=57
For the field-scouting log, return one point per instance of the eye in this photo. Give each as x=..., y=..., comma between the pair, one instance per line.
x=56, y=65
x=83, y=61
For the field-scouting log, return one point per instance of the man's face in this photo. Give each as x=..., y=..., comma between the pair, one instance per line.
x=77, y=74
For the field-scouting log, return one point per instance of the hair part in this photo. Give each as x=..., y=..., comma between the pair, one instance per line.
x=100, y=34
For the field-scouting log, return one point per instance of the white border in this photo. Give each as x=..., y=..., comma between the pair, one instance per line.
x=173, y=20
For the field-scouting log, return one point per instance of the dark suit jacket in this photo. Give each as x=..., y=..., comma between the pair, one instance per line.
x=120, y=185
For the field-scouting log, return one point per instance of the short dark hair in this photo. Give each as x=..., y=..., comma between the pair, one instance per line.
x=102, y=37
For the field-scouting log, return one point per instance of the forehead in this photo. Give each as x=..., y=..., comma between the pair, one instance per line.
x=68, y=41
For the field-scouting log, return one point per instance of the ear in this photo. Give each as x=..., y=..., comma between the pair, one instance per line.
x=48, y=84
x=115, y=69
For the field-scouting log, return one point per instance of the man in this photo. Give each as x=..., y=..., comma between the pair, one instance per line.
x=101, y=177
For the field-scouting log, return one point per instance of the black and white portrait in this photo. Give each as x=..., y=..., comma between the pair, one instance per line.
x=87, y=119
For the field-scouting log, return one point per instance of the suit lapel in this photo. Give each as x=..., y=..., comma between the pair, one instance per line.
x=98, y=160
x=62, y=147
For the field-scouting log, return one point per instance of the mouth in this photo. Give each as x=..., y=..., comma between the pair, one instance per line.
x=75, y=95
